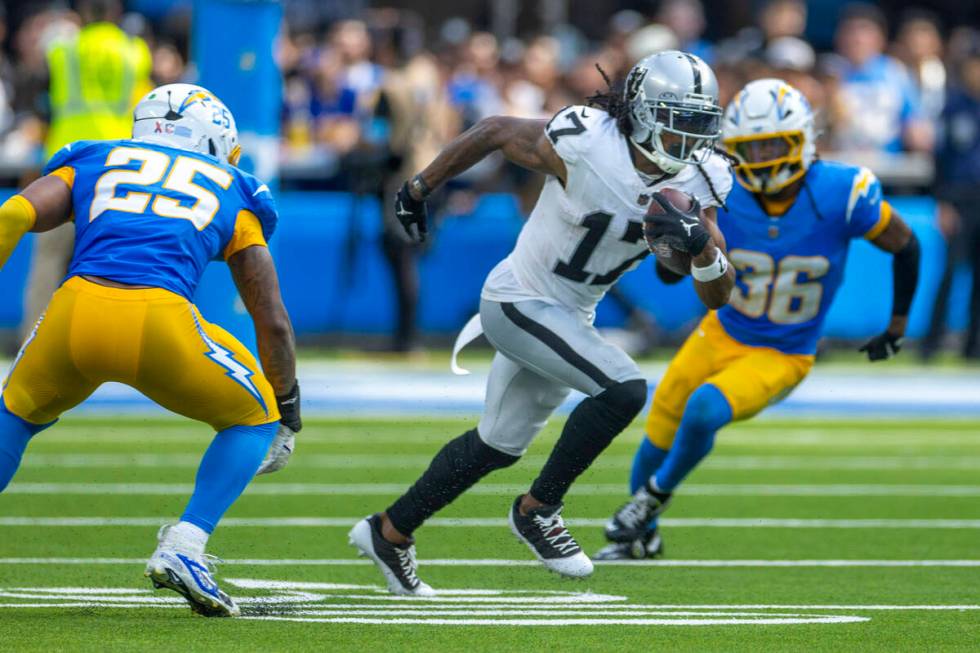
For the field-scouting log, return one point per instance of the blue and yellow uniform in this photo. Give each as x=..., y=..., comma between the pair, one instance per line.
x=761, y=345
x=149, y=216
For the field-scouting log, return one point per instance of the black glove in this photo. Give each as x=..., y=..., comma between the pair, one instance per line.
x=289, y=410
x=883, y=346
x=412, y=214
x=681, y=230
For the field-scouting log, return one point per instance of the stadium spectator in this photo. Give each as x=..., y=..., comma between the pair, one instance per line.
x=685, y=18
x=876, y=108
x=474, y=87
x=781, y=18
x=776, y=19
x=422, y=121
x=919, y=46
x=958, y=191
x=95, y=78
x=168, y=64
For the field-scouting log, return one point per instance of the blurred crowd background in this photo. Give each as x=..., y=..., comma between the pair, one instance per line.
x=373, y=90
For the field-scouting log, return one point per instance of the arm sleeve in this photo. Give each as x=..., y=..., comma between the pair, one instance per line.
x=17, y=217
x=867, y=214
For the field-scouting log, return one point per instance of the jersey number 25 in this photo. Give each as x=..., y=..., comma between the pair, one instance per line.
x=181, y=173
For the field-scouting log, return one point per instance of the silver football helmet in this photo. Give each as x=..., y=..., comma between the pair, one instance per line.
x=674, y=111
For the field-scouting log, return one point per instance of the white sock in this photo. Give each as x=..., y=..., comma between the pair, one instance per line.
x=187, y=537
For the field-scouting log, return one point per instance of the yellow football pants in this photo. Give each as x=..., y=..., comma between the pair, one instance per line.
x=750, y=378
x=152, y=340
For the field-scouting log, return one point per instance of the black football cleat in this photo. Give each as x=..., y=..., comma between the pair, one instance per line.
x=649, y=546
x=633, y=519
x=396, y=562
x=543, y=531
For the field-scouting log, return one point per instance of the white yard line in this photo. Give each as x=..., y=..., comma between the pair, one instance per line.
x=817, y=435
x=605, y=489
x=497, y=562
x=420, y=461
x=480, y=522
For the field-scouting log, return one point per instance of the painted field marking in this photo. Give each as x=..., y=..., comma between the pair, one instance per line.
x=341, y=603
x=829, y=435
x=323, y=602
x=606, y=489
x=420, y=461
x=499, y=562
x=479, y=522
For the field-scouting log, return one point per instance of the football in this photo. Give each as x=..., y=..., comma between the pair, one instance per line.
x=673, y=260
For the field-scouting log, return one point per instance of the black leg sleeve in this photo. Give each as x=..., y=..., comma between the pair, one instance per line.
x=457, y=466
x=589, y=430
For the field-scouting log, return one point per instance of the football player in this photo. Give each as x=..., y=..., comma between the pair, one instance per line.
x=604, y=163
x=788, y=224
x=149, y=213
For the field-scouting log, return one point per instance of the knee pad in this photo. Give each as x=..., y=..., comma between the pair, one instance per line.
x=626, y=399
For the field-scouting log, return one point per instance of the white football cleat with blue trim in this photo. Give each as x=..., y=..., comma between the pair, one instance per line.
x=190, y=574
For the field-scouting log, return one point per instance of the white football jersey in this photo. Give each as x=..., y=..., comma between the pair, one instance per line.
x=582, y=237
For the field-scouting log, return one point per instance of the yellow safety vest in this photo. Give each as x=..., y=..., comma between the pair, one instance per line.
x=95, y=80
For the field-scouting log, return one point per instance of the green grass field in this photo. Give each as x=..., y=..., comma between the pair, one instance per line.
x=796, y=535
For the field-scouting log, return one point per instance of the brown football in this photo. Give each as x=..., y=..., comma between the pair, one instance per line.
x=673, y=260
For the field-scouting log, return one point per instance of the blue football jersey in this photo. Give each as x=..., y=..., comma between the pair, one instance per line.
x=789, y=268
x=151, y=215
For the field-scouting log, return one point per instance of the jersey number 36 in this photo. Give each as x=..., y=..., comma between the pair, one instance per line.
x=787, y=294
x=181, y=176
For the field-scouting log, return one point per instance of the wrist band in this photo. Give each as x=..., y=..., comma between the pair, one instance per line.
x=419, y=186
x=715, y=270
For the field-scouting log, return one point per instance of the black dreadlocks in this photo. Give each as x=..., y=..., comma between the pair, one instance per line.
x=613, y=101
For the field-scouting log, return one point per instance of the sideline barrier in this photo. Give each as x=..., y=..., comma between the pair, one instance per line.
x=335, y=279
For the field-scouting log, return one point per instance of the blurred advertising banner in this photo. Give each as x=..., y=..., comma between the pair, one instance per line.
x=233, y=49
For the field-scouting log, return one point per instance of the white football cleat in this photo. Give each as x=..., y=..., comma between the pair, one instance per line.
x=543, y=531
x=396, y=562
x=190, y=574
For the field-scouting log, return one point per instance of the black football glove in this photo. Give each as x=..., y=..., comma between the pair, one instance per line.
x=681, y=230
x=412, y=214
x=883, y=346
x=289, y=410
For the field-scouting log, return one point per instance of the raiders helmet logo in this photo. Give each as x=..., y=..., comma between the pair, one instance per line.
x=635, y=81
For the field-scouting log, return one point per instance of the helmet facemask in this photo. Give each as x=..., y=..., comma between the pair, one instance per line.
x=768, y=128
x=768, y=163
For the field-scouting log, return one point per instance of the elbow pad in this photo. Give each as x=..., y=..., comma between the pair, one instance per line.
x=17, y=217
x=905, y=276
